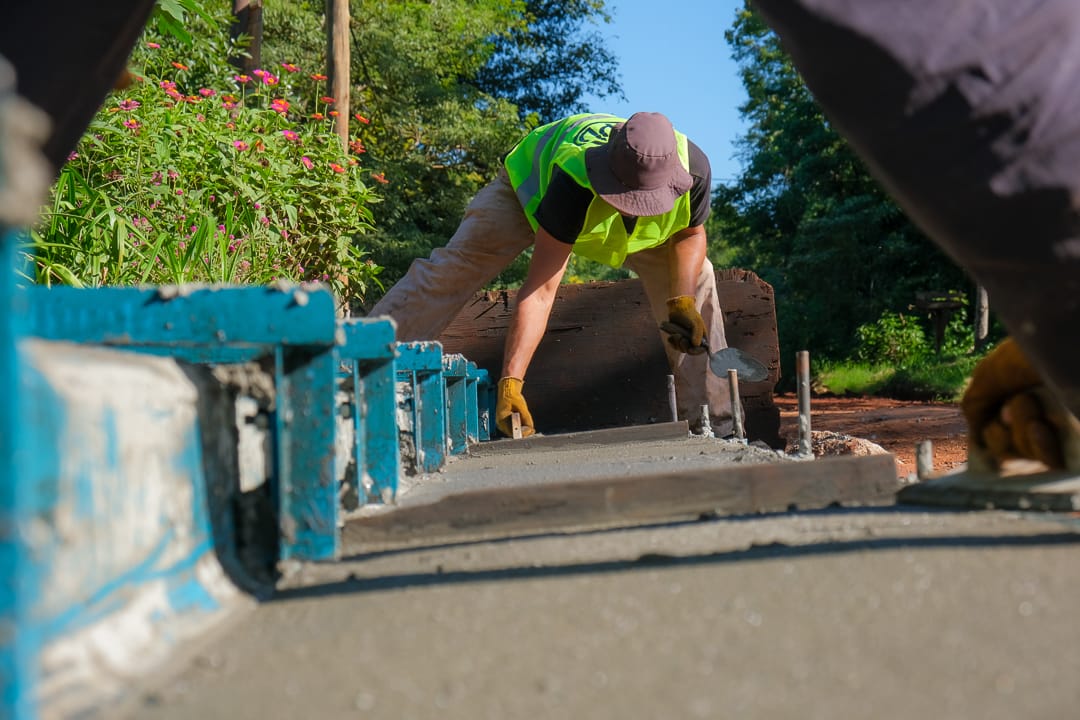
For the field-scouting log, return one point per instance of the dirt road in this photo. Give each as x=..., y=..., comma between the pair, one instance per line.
x=896, y=425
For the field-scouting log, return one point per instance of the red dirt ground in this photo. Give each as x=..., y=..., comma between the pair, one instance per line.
x=896, y=425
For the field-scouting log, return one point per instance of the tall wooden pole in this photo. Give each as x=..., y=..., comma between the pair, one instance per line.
x=337, y=61
x=248, y=21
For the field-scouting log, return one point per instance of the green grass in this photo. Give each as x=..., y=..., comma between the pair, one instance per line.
x=936, y=379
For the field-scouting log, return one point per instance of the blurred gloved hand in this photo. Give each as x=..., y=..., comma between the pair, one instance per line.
x=682, y=311
x=510, y=400
x=1011, y=414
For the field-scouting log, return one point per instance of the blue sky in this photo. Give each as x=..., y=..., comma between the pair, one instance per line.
x=673, y=59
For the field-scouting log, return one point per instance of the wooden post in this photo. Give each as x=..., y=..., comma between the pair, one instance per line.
x=338, y=60
x=248, y=21
x=982, y=317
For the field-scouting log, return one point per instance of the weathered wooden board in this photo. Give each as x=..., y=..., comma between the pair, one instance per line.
x=602, y=364
x=1041, y=491
x=629, y=500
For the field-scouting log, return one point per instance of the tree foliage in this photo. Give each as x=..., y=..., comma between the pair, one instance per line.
x=548, y=64
x=806, y=215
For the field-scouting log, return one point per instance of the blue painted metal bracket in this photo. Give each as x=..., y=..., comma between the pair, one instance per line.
x=20, y=582
x=458, y=407
x=230, y=325
x=420, y=369
x=480, y=410
x=368, y=354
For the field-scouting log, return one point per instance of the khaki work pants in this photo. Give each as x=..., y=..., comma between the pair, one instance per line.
x=492, y=234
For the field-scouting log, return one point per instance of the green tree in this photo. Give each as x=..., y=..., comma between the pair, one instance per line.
x=808, y=218
x=551, y=61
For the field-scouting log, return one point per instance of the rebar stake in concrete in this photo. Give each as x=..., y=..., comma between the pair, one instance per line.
x=706, y=424
x=924, y=459
x=671, y=398
x=802, y=375
x=736, y=405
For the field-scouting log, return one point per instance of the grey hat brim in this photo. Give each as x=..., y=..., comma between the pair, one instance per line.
x=639, y=203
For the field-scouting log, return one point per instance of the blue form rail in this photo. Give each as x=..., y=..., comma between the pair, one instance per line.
x=293, y=326
x=368, y=354
x=422, y=422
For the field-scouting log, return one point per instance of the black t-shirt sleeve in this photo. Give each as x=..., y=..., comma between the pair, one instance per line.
x=563, y=208
x=701, y=191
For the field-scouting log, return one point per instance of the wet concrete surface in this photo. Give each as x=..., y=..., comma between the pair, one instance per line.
x=874, y=612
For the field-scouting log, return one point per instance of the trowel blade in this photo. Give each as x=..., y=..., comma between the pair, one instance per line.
x=730, y=358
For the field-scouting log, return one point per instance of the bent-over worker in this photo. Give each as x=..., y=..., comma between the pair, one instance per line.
x=631, y=192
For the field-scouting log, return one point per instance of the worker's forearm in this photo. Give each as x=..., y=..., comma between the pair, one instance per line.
x=526, y=329
x=687, y=256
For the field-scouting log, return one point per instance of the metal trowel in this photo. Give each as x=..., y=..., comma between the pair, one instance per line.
x=729, y=358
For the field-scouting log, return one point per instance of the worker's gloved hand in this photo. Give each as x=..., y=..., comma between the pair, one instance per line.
x=1011, y=414
x=511, y=400
x=682, y=311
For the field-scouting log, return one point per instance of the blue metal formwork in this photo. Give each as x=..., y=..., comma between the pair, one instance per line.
x=479, y=412
x=19, y=576
x=368, y=353
x=458, y=407
x=420, y=371
x=296, y=327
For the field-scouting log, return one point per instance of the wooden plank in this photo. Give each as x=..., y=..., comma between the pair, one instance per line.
x=607, y=436
x=602, y=364
x=625, y=501
x=1039, y=491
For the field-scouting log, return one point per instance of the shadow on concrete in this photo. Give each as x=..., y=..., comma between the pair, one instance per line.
x=650, y=561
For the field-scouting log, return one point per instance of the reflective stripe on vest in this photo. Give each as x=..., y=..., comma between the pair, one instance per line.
x=563, y=143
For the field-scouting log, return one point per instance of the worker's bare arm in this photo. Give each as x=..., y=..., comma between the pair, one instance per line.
x=534, y=302
x=687, y=249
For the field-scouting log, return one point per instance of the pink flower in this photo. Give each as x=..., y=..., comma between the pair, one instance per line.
x=240, y=145
x=180, y=66
x=336, y=168
x=264, y=220
x=131, y=124
x=318, y=77
x=289, y=67
x=172, y=174
x=128, y=104
x=257, y=206
x=72, y=155
x=207, y=92
x=200, y=117
x=270, y=79
x=258, y=72
x=242, y=79
x=327, y=99
x=228, y=104
x=306, y=161
x=153, y=45
x=290, y=135
x=379, y=177
x=360, y=118
x=280, y=105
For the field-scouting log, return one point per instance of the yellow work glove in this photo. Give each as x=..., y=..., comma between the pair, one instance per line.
x=682, y=310
x=1011, y=414
x=511, y=400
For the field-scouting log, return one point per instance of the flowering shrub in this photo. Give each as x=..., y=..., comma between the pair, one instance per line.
x=197, y=173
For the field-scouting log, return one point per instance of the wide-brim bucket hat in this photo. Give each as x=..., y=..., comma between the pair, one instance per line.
x=638, y=171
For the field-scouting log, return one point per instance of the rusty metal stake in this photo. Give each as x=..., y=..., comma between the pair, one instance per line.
x=802, y=375
x=671, y=398
x=736, y=405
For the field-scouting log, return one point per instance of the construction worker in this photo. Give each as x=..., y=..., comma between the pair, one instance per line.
x=969, y=114
x=631, y=192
